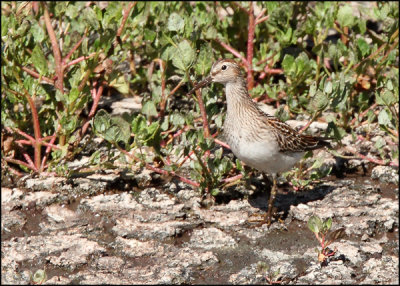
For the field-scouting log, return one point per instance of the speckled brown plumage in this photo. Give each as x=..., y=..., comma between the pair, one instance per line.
x=260, y=140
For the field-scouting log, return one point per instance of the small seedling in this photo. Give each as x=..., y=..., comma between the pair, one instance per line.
x=321, y=230
x=39, y=277
x=272, y=278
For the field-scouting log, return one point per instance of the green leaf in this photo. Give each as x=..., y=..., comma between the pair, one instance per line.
x=124, y=131
x=384, y=118
x=72, y=11
x=313, y=89
x=90, y=17
x=211, y=33
x=69, y=123
x=345, y=16
x=168, y=52
x=138, y=124
x=149, y=35
x=73, y=95
x=60, y=7
x=386, y=98
x=239, y=165
x=363, y=47
x=288, y=64
x=175, y=23
x=214, y=192
x=319, y=102
x=177, y=119
x=39, y=61
x=327, y=224
x=149, y=108
x=315, y=224
x=95, y=158
x=328, y=87
x=362, y=25
x=204, y=60
x=183, y=56
x=120, y=84
x=101, y=121
x=38, y=33
x=389, y=85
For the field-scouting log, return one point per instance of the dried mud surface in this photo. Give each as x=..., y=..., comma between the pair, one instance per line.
x=88, y=231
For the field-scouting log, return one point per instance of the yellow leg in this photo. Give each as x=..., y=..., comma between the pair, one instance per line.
x=271, y=200
x=266, y=218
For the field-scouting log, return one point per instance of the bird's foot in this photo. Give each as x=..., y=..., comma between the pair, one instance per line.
x=265, y=218
x=261, y=219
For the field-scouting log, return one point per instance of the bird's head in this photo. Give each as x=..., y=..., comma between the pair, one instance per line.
x=222, y=71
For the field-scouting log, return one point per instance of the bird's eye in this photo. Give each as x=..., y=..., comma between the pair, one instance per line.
x=223, y=67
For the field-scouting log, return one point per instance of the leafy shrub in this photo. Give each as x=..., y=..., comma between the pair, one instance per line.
x=60, y=57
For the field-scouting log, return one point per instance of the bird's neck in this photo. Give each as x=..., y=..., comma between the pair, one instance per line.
x=237, y=97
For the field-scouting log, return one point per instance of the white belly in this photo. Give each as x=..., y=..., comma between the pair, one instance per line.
x=265, y=156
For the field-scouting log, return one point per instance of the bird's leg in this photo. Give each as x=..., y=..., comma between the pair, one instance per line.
x=271, y=200
x=266, y=218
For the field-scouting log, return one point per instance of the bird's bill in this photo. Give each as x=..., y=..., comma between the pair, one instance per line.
x=201, y=84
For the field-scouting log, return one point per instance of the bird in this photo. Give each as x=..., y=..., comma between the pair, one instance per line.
x=258, y=139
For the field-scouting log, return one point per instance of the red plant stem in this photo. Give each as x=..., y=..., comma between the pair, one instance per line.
x=373, y=160
x=37, y=75
x=240, y=7
x=177, y=134
x=371, y=55
x=273, y=71
x=202, y=111
x=250, y=47
x=161, y=171
x=260, y=15
x=203, y=114
x=263, y=19
x=48, y=149
x=232, y=51
x=79, y=60
x=362, y=114
x=30, y=138
x=302, y=129
x=56, y=51
x=48, y=137
x=93, y=91
x=158, y=170
x=93, y=109
x=222, y=143
x=74, y=48
x=28, y=142
x=36, y=129
x=270, y=71
x=176, y=88
x=84, y=80
x=15, y=172
x=19, y=162
x=125, y=17
x=232, y=179
x=96, y=101
x=260, y=62
x=29, y=160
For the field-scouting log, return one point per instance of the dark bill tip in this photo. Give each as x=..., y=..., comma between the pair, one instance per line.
x=201, y=84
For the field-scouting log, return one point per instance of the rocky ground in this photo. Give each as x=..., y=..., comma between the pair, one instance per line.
x=97, y=230
x=133, y=226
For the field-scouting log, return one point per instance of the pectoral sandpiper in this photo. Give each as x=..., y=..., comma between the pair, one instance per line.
x=259, y=140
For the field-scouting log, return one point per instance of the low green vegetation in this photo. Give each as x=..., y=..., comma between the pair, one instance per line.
x=335, y=60
x=321, y=229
